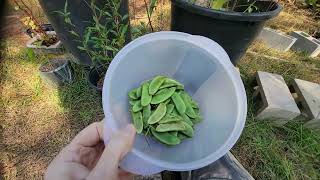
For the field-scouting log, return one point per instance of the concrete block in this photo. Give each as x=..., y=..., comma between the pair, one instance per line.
x=227, y=167
x=277, y=102
x=308, y=95
x=306, y=43
x=276, y=39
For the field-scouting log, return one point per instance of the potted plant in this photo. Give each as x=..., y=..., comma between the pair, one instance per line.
x=42, y=41
x=103, y=37
x=81, y=16
x=56, y=72
x=233, y=24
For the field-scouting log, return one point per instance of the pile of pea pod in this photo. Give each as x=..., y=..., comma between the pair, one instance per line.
x=162, y=109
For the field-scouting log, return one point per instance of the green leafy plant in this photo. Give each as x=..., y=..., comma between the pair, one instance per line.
x=313, y=3
x=245, y=6
x=106, y=34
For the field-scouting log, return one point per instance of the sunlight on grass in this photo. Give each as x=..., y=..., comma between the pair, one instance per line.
x=37, y=120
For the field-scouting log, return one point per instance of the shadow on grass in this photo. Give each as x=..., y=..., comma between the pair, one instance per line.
x=81, y=100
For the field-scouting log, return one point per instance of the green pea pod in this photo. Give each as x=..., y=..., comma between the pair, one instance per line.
x=155, y=84
x=197, y=119
x=173, y=126
x=133, y=102
x=172, y=81
x=186, y=119
x=181, y=136
x=192, y=102
x=162, y=95
x=165, y=137
x=158, y=114
x=167, y=101
x=145, y=97
x=169, y=118
x=188, y=129
x=175, y=133
x=133, y=94
x=137, y=106
x=167, y=85
x=137, y=121
x=146, y=112
x=180, y=87
x=175, y=112
x=170, y=108
x=189, y=110
x=177, y=100
x=139, y=92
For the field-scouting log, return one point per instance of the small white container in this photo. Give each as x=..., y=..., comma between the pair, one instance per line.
x=208, y=75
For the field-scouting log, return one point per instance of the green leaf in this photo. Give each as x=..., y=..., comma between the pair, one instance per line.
x=153, y=4
x=74, y=33
x=66, y=6
x=218, y=4
x=124, y=30
x=81, y=48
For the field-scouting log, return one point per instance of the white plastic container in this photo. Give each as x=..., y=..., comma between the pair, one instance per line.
x=208, y=75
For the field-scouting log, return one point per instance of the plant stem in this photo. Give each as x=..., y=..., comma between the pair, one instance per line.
x=29, y=13
x=234, y=3
x=148, y=14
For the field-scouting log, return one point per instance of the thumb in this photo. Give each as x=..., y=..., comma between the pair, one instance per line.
x=119, y=145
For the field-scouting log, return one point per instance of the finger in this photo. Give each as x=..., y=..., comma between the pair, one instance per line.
x=119, y=145
x=90, y=136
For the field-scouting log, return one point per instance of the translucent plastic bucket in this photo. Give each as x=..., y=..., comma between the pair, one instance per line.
x=208, y=75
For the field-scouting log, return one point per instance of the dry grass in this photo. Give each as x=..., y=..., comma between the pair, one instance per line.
x=295, y=17
x=36, y=121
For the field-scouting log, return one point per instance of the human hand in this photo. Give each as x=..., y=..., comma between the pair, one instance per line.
x=87, y=158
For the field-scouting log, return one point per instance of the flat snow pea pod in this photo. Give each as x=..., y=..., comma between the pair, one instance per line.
x=186, y=119
x=137, y=121
x=133, y=94
x=146, y=112
x=167, y=85
x=145, y=96
x=197, y=119
x=175, y=133
x=189, y=110
x=165, y=137
x=155, y=84
x=173, y=126
x=177, y=100
x=172, y=81
x=169, y=118
x=175, y=112
x=137, y=106
x=162, y=95
x=133, y=102
x=188, y=129
x=167, y=101
x=180, y=87
x=170, y=108
x=181, y=136
x=158, y=114
x=139, y=92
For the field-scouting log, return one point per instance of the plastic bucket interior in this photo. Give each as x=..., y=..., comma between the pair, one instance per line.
x=208, y=75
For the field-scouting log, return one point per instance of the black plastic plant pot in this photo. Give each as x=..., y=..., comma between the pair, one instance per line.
x=234, y=31
x=96, y=77
x=81, y=16
x=56, y=72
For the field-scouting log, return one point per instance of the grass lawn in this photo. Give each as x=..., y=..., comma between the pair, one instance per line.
x=37, y=121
